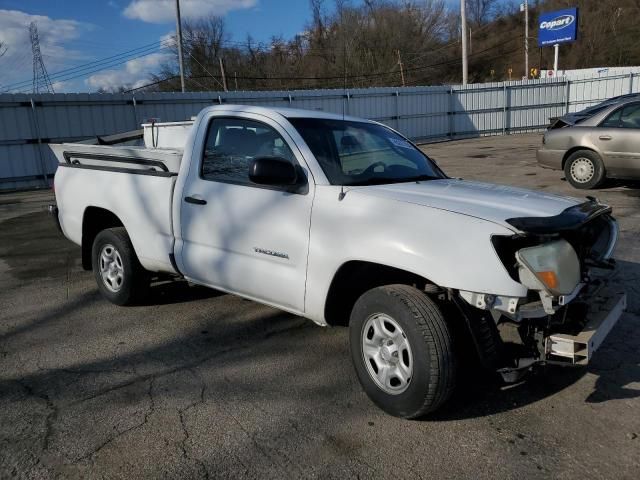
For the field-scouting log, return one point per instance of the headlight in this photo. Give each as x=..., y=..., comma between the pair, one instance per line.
x=553, y=266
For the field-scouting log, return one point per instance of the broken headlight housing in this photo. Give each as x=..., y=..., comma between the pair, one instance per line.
x=552, y=266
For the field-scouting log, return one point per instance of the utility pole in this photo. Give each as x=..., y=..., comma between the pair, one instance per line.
x=525, y=5
x=401, y=70
x=179, y=35
x=463, y=17
x=224, y=77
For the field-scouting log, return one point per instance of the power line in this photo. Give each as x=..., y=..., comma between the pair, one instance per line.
x=139, y=52
x=379, y=74
x=392, y=72
x=203, y=67
x=67, y=79
x=107, y=62
x=157, y=82
x=88, y=69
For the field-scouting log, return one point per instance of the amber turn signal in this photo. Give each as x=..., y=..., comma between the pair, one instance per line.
x=549, y=279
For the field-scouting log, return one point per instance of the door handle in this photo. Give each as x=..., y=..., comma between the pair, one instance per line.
x=605, y=137
x=195, y=201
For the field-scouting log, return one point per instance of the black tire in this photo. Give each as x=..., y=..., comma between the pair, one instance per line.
x=133, y=281
x=586, y=161
x=431, y=346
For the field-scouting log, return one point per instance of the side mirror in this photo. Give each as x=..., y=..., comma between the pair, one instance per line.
x=272, y=171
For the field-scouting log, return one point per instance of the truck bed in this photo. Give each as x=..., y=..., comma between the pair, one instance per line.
x=134, y=183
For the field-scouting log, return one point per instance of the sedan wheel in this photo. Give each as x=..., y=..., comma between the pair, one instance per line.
x=584, y=169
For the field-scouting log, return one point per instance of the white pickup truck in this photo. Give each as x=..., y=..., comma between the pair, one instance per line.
x=346, y=222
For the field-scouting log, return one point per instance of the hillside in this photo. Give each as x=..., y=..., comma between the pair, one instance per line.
x=393, y=43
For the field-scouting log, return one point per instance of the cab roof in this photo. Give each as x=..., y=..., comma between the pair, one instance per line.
x=286, y=112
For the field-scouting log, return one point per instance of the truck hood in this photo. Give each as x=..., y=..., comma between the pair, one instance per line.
x=494, y=203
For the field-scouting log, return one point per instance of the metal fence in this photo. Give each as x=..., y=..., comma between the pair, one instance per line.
x=29, y=122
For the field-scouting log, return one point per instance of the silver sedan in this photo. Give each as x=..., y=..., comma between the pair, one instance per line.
x=604, y=145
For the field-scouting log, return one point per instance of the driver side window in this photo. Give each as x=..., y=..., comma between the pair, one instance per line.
x=613, y=120
x=625, y=117
x=233, y=143
x=630, y=116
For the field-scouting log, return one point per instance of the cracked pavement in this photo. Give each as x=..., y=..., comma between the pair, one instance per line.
x=199, y=384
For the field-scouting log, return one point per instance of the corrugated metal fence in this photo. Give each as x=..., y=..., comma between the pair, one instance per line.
x=28, y=122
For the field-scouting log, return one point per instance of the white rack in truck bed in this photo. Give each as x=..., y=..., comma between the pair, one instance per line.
x=160, y=154
x=124, y=158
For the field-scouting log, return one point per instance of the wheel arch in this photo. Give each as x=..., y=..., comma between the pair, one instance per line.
x=94, y=220
x=573, y=150
x=355, y=277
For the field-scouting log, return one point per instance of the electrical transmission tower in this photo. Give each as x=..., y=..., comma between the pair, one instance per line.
x=41, y=80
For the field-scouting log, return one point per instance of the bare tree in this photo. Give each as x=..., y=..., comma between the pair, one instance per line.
x=480, y=11
x=3, y=49
x=361, y=44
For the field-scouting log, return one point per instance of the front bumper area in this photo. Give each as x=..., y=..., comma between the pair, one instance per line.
x=578, y=346
x=512, y=339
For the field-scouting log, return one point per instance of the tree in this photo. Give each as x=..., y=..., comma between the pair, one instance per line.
x=480, y=11
x=359, y=44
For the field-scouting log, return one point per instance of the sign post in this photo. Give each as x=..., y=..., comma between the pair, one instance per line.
x=557, y=27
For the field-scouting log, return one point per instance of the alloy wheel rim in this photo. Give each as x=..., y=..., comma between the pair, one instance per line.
x=387, y=353
x=111, y=268
x=582, y=170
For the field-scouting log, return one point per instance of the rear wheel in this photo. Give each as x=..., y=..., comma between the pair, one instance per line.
x=584, y=169
x=120, y=277
x=402, y=350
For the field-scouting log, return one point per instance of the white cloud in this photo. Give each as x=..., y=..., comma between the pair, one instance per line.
x=162, y=11
x=134, y=74
x=55, y=38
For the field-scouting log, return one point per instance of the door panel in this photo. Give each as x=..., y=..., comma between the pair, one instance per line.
x=247, y=239
x=618, y=137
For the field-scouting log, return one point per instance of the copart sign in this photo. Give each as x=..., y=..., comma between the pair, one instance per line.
x=560, y=26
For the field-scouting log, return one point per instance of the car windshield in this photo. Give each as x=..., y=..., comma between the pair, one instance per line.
x=361, y=153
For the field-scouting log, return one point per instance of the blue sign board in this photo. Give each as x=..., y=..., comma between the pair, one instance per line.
x=560, y=26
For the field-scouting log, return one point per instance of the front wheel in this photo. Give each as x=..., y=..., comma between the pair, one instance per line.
x=120, y=277
x=402, y=350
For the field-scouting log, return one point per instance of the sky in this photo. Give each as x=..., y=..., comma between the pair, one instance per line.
x=75, y=32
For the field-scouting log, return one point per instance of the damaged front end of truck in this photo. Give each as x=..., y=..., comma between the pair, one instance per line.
x=565, y=262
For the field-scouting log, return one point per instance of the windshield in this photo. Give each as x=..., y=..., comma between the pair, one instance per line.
x=359, y=153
